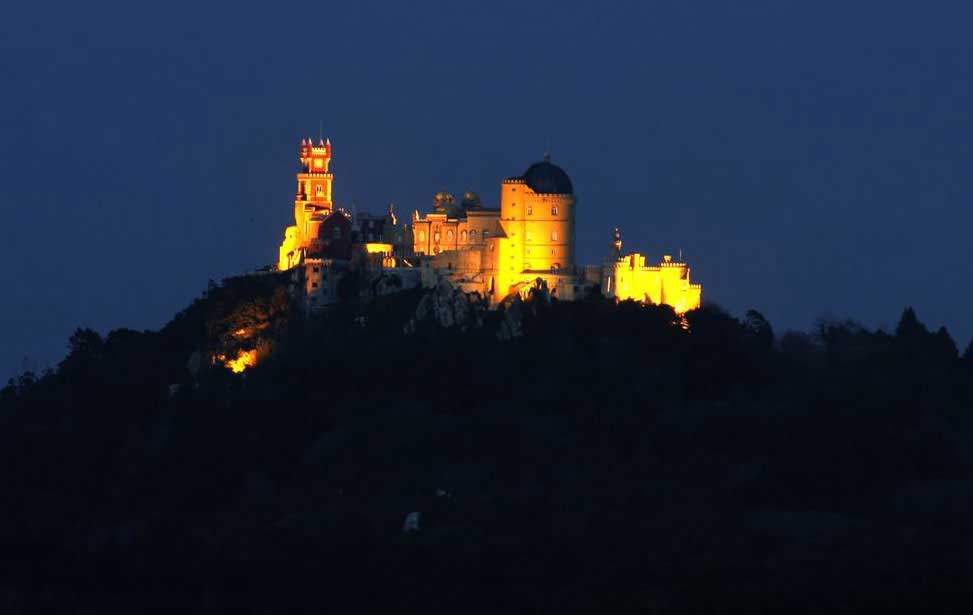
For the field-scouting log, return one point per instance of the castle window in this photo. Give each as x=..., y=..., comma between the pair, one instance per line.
x=449, y=234
x=314, y=284
x=530, y=210
x=462, y=235
x=318, y=190
x=316, y=269
x=422, y=235
x=553, y=210
x=553, y=235
x=486, y=235
x=435, y=236
x=472, y=235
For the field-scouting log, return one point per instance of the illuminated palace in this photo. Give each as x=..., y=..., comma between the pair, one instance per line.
x=527, y=242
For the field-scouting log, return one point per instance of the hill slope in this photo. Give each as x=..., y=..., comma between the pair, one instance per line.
x=561, y=456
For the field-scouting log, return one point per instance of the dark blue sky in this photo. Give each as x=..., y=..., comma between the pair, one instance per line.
x=809, y=158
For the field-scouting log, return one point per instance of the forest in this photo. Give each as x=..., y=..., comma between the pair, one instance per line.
x=561, y=456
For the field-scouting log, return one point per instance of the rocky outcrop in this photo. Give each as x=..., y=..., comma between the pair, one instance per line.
x=448, y=307
x=512, y=325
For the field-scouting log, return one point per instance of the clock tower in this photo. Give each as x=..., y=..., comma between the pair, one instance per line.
x=313, y=183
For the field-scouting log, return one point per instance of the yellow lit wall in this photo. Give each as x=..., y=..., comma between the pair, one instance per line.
x=435, y=233
x=288, y=249
x=666, y=283
x=540, y=226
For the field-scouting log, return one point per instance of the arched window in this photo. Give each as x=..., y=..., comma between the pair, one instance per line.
x=449, y=234
x=530, y=210
x=435, y=236
x=422, y=235
x=472, y=235
x=462, y=235
x=318, y=190
x=553, y=210
x=553, y=235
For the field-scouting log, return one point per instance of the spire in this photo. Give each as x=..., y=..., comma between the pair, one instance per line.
x=615, y=252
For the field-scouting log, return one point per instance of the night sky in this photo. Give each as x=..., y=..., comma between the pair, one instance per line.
x=809, y=158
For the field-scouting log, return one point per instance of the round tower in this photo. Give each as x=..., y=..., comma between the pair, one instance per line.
x=537, y=212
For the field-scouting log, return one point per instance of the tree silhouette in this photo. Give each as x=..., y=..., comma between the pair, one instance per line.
x=759, y=329
x=946, y=346
x=743, y=471
x=909, y=325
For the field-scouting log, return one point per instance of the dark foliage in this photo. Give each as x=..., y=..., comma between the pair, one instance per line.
x=612, y=458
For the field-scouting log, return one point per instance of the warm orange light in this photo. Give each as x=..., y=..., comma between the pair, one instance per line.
x=243, y=360
x=379, y=248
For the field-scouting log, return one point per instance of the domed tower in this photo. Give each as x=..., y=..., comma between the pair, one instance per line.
x=537, y=214
x=471, y=201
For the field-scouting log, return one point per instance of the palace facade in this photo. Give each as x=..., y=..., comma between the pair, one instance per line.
x=495, y=252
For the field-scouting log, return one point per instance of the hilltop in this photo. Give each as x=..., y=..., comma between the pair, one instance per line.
x=562, y=455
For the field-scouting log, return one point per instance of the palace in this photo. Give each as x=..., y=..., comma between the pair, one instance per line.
x=528, y=240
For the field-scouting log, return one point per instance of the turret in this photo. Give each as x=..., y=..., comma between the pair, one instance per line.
x=313, y=195
x=615, y=252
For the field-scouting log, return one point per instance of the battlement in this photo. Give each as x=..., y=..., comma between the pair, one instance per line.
x=491, y=251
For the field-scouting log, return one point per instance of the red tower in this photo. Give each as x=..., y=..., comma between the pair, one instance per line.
x=314, y=180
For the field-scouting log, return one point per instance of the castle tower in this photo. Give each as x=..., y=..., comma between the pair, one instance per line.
x=313, y=184
x=312, y=203
x=537, y=215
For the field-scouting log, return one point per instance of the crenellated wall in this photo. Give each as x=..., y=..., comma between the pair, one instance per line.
x=495, y=252
x=666, y=283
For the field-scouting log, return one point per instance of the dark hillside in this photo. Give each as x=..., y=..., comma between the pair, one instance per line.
x=562, y=456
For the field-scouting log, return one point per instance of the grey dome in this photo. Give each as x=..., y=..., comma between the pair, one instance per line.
x=547, y=178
